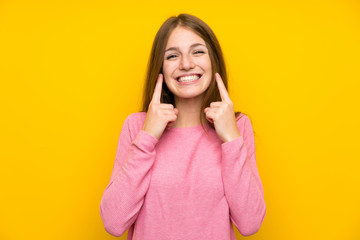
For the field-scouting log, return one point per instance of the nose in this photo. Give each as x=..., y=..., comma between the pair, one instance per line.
x=186, y=63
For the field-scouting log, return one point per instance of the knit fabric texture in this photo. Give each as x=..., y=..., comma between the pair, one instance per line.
x=188, y=185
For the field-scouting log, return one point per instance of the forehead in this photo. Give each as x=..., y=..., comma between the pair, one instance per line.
x=182, y=37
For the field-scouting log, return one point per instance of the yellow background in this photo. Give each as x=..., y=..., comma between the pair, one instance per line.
x=72, y=71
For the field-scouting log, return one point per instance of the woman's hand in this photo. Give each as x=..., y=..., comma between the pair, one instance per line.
x=222, y=114
x=159, y=115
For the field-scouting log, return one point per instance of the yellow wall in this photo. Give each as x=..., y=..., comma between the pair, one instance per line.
x=71, y=71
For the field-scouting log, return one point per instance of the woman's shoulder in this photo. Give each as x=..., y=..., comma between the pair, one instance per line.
x=135, y=121
x=242, y=117
x=244, y=123
x=136, y=117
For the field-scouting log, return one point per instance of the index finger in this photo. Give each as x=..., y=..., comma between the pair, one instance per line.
x=157, y=91
x=222, y=89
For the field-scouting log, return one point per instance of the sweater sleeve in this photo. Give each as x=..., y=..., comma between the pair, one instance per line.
x=242, y=185
x=130, y=179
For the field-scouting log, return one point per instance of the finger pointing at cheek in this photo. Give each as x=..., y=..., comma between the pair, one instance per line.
x=222, y=89
x=157, y=91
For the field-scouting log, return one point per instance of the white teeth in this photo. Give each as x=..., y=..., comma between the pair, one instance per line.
x=188, y=78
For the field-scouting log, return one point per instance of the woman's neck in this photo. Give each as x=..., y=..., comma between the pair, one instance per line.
x=189, y=111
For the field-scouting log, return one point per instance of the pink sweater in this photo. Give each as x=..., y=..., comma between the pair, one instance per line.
x=185, y=186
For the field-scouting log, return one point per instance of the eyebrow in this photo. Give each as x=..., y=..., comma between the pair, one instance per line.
x=193, y=45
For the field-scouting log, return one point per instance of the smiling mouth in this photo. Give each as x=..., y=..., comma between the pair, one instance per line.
x=189, y=78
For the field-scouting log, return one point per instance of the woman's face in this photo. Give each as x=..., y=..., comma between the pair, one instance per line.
x=186, y=59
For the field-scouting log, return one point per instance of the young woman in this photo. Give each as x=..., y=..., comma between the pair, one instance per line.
x=185, y=167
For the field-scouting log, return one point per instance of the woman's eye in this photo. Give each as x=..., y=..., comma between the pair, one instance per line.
x=170, y=56
x=199, y=52
x=173, y=55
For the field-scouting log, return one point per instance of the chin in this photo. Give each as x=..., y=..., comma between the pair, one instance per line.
x=187, y=92
x=188, y=95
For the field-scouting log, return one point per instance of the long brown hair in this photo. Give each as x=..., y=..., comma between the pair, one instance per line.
x=156, y=60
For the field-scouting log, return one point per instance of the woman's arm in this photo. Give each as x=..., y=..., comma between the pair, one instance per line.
x=242, y=184
x=129, y=181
